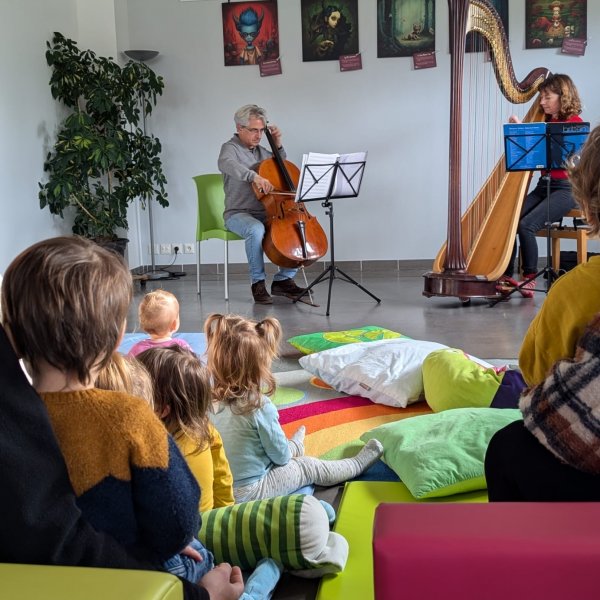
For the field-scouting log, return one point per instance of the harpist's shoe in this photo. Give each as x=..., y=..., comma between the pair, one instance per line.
x=525, y=287
x=286, y=287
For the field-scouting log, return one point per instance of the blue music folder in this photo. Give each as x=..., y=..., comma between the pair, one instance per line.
x=525, y=146
x=535, y=146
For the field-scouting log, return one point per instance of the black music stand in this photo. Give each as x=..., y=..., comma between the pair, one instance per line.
x=336, y=180
x=542, y=146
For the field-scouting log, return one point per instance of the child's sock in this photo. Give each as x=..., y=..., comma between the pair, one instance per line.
x=263, y=580
x=329, y=510
x=296, y=442
x=369, y=454
x=332, y=472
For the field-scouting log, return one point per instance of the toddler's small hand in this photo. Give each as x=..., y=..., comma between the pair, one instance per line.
x=192, y=553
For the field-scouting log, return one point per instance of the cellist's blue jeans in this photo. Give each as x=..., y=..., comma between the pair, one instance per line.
x=253, y=232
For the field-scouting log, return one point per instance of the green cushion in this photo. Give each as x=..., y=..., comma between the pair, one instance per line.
x=441, y=454
x=292, y=529
x=325, y=340
x=452, y=380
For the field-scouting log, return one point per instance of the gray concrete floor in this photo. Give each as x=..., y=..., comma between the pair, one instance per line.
x=477, y=328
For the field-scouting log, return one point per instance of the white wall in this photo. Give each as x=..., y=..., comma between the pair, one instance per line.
x=28, y=114
x=28, y=117
x=400, y=116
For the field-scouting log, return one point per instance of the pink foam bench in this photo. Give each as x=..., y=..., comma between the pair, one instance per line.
x=537, y=551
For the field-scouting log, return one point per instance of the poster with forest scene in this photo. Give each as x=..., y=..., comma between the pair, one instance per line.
x=405, y=27
x=548, y=23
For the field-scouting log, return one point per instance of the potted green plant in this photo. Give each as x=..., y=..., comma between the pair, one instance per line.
x=103, y=158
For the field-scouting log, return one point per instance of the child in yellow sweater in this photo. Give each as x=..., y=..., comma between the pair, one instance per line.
x=181, y=400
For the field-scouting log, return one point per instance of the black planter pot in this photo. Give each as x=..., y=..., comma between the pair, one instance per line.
x=118, y=246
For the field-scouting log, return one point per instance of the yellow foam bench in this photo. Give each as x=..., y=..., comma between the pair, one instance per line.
x=36, y=582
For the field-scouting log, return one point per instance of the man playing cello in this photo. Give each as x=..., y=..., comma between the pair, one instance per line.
x=244, y=214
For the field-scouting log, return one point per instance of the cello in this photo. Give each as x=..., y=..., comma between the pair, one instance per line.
x=293, y=237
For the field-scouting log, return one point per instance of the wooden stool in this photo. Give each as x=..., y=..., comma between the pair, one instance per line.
x=558, y=231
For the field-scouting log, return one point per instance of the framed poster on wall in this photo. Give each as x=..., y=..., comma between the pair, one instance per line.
x=250, y=32
x=405, y=27
x=548, y=23
x=329, y=30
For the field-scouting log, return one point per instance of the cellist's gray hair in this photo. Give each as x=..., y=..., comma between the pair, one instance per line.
x=249, y=111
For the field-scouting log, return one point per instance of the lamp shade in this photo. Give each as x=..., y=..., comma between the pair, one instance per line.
x=141, y=55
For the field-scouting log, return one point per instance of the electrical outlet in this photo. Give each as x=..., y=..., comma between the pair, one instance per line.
x=179, y=245
x=189, y=248
x=165, y=248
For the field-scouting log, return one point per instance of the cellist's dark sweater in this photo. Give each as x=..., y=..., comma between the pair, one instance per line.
x=39, y=520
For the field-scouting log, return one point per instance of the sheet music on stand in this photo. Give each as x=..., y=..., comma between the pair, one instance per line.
x=321, y=179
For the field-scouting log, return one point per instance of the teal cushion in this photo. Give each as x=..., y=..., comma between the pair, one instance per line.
x=325, y=340
x=453, y=380
x=443, y=453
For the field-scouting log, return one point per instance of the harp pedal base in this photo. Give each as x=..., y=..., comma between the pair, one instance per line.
x=459, y=285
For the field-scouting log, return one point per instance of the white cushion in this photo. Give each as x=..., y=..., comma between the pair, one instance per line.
x=387, y=371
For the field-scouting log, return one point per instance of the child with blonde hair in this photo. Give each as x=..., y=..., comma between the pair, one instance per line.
x=126, y=374
x=264, y=463
x=158, y=314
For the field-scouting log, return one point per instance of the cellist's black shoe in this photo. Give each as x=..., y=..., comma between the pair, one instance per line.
x=260, y=294
x=287, y=288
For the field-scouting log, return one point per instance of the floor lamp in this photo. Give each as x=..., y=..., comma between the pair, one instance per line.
x=144, y=56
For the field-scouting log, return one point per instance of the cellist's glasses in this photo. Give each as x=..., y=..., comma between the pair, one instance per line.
x=254, y=130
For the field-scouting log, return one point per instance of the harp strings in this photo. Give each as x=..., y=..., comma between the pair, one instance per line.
x=487, y=111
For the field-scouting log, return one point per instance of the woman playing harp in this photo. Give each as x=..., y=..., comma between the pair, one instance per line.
x=551, y=199
x=480, y=242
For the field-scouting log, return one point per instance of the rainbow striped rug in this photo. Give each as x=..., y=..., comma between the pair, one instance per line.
x=334, y=421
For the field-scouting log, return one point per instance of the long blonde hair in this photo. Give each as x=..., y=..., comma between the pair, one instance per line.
x=126, y=374
x=240, y=354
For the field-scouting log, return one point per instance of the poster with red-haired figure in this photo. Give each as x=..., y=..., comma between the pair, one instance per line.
x=250, y=32
x=549, y=22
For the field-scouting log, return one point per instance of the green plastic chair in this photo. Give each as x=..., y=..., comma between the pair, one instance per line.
x=211, y=204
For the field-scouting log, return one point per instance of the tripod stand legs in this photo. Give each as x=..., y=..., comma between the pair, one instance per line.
x=330, y=272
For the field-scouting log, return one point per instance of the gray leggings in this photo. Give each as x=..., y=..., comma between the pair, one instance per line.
x=300, y=471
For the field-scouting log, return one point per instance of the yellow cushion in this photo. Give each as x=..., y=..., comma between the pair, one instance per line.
x=32, y=582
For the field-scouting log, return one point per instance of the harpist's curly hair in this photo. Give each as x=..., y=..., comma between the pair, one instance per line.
x=570, y=104
x=585, y=181
x=240, y=354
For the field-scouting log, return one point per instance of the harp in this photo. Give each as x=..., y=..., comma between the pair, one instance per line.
x=480, y=241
